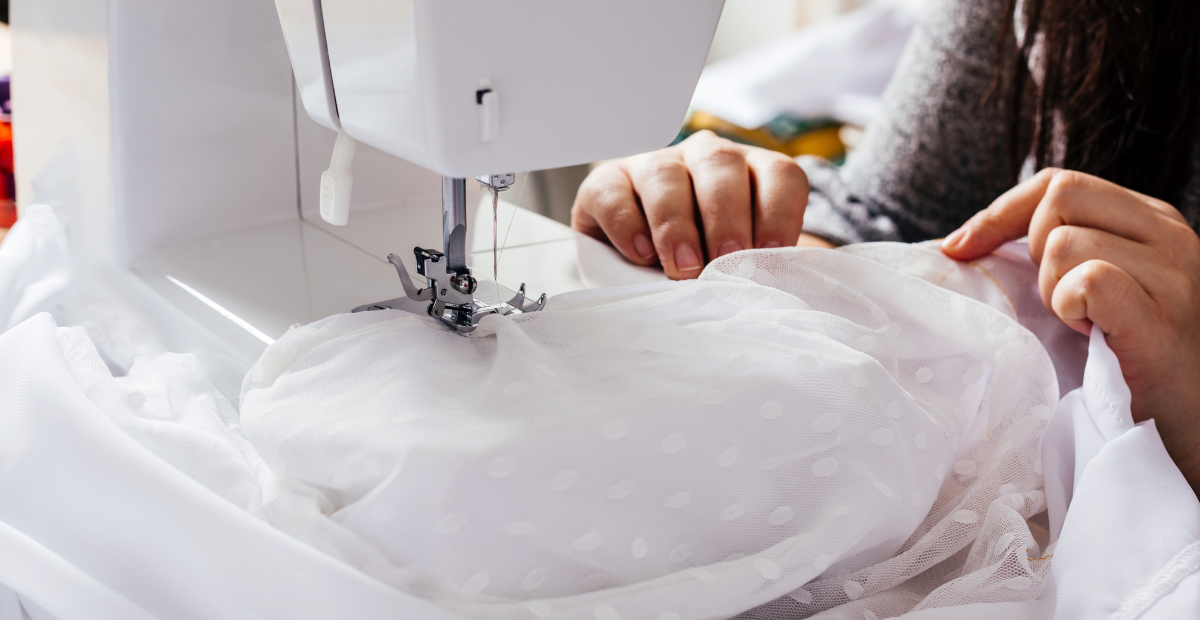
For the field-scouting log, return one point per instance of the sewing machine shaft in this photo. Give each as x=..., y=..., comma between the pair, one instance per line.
x=450, y=285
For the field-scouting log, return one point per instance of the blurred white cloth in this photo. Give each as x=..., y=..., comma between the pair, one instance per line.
x=138, y=497
x=836, y=69
x=35, y=266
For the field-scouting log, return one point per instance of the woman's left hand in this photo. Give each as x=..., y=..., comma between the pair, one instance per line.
x=1125, y=262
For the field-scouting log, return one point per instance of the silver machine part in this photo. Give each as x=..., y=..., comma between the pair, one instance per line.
x=450, y=287
x=454, y=222
x=498, y=182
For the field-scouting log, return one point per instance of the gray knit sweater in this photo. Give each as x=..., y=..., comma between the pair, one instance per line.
x=924, y=166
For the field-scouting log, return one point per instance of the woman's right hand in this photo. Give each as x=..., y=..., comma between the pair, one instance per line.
x=688, y=204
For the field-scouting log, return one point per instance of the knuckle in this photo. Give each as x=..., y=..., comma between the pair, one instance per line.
x=1060, y=242
x=784, y=167
x=1178, y=283
x=1061, y=194
x=605, y=168
x=703, y=140
x=1065, y=183
x=1094, y=274
x=602, y=198
x=587, y=198
x=723, y=154
x=1183, y=236
x=698, y=141
x=665, y=170
x=1178, y=246
x=605, y=200
x=1046, y=173
x=707, y=147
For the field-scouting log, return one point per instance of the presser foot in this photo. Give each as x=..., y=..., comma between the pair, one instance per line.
x=453, y=302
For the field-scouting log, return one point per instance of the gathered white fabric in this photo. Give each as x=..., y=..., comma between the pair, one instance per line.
x=797, y=431
x=137, y=496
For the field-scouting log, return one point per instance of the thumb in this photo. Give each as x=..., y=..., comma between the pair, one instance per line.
x=1006, y=219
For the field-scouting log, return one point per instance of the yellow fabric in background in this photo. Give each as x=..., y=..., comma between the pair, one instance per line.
x=823, y=142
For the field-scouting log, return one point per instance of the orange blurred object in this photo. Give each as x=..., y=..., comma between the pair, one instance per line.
x=8, y=205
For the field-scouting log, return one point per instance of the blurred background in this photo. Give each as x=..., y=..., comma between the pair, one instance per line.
x=748, y=23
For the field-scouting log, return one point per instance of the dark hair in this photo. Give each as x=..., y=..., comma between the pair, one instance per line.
x=1120, y=85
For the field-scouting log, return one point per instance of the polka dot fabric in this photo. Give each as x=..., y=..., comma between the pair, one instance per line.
x=797, y=432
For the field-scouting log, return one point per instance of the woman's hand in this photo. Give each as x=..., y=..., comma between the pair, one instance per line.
x=687, y=204
x=1125, y=262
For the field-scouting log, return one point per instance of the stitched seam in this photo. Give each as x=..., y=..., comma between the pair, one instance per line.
x=1183, y=565
x=987, y=273
x=1108, y=401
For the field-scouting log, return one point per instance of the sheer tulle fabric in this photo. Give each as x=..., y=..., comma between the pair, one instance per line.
x=798, y=431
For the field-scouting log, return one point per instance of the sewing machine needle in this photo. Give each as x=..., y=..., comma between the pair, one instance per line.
x=495, y=233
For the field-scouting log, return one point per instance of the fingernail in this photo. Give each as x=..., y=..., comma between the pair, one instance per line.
x=643, y=247
x=687, y=259
x=772, y=244
x=955, y=238
x=729, y=247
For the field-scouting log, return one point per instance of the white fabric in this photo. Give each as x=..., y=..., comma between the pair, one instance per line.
x=1122, y=479
x=1130, y=540
x=35, y=269
x=136, y=496
x=131, y=495
x=696, y=449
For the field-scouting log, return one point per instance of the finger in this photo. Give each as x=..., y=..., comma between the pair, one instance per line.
x=721, y=180
x=1098, y=292
x=1006, y=219
x=780, y=197
x=1068, y=247
x=664, y=189
x=1053, y=198
x=607, y=208
x=1077, y=199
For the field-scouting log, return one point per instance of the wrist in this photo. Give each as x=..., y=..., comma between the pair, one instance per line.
x=809, y=240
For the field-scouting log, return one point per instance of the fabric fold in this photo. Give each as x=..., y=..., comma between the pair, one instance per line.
x=144, y=533
x=1133, y=524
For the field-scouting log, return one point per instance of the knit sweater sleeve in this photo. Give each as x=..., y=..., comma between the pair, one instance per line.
x=929, y=161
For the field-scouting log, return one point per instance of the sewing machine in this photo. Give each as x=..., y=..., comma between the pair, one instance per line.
x=468, y=88
x=185, y=144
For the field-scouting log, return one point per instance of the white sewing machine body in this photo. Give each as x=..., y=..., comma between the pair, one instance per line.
x=471, y=87
x=171, y=136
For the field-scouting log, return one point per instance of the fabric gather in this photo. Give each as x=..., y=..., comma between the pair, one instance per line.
x=797, y=431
